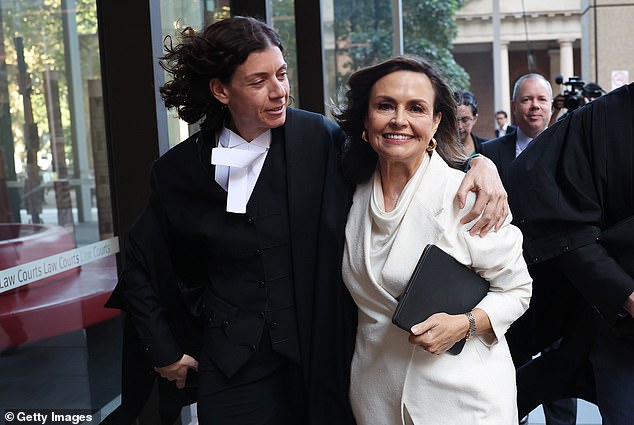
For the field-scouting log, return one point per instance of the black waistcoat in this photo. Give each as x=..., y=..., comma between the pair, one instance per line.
x=250, y=295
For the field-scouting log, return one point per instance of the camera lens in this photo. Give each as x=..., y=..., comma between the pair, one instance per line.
x=572, y=102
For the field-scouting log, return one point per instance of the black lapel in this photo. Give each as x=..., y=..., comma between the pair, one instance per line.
x=509, y=148
x=304, y=139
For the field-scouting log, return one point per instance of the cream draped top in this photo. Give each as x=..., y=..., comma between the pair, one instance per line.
x=389, y=375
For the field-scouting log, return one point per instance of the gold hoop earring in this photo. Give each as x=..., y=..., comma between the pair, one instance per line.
x=364, y=136
x=432, y=145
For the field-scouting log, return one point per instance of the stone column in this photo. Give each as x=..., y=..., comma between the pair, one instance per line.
x=566, y=61
x=555, y=69
x=502, y=86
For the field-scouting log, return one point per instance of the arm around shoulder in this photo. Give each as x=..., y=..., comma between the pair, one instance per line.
x=491, y=204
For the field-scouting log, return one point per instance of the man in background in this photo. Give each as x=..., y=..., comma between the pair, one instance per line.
x=502, y=126
x=531, y=109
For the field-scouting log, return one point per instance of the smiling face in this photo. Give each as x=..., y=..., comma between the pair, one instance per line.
x=257, y=95
x=400, y=121
x=532, y=106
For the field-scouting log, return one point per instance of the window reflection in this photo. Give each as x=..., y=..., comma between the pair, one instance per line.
x=57, y=264
x=360, y=33
x=283, y=20
x=356, y=34
x=175, y=16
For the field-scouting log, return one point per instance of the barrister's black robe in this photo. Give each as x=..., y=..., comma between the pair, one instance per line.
x=146, y=260
x=573, y=181
x=182, y=186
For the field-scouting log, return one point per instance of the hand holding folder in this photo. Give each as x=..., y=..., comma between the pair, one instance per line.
x=439, y=284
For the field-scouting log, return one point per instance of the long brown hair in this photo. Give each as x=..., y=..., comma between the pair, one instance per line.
x=359, y=160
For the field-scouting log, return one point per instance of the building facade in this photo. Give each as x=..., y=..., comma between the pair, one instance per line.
x=498, y=43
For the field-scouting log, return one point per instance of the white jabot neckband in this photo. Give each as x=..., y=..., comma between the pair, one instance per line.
x=242, y=160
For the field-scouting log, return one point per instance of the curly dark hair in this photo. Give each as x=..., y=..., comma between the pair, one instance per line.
x=359, y=159
x=200, y=56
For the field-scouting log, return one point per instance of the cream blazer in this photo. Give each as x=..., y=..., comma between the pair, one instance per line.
x=389, y=374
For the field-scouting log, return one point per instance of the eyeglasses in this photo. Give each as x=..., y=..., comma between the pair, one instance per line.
x=465, y=120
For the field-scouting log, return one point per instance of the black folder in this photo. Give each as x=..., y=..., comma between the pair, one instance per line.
x=439, y=284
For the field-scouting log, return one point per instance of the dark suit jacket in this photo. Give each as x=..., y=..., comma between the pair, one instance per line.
x=188, y=204
x=509, y=130
x=501, y=151
x=478, y=141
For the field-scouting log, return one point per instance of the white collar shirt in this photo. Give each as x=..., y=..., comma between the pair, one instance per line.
x=502, y=131
x=522, y=142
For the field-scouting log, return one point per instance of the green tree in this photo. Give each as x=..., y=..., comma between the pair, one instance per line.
x=429, y=29
x=363, y=30
x=363, y=33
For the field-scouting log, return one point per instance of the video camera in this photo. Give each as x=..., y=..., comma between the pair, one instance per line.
x=573, y=96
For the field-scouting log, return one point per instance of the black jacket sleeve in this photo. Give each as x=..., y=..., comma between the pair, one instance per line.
x=599, y=279
x=146, y=282
x=151, y=291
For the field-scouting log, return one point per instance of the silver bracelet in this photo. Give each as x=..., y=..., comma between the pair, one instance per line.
x=472, y=326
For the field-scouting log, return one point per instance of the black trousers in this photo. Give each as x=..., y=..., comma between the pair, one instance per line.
x=564, y=372
x=276, y=399
x=613, y=364
x=268, y=390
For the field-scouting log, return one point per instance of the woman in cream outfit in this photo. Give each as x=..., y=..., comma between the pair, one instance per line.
x=401, y=117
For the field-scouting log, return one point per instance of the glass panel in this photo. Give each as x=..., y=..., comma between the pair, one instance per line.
x=356, y=34
x=429, y=29
x=60, y=348
x=176, y=15
x=283, y=20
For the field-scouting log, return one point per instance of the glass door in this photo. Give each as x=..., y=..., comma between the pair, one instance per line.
x=59, y=346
